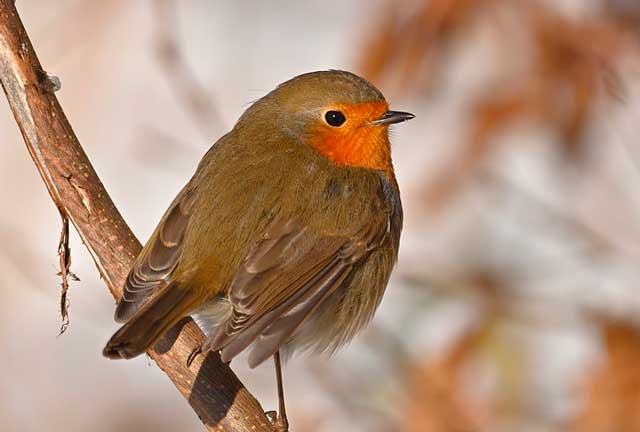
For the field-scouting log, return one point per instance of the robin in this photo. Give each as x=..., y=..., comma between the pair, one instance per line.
x=286, y=235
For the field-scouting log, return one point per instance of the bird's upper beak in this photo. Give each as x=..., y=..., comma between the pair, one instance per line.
x=391, y=117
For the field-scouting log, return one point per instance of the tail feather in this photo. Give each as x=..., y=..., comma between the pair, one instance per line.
x=158, y=315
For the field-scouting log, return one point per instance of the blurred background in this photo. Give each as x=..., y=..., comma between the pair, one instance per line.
x=515, y=303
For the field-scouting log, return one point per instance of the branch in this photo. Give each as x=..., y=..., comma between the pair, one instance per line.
x=212, y=389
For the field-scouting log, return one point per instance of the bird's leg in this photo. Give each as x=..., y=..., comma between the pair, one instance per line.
x=281, y=423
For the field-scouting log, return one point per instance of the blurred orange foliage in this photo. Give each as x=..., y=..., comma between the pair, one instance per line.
x=437, y=401
x=613, y=391
x=409, y=47
x=573, y=62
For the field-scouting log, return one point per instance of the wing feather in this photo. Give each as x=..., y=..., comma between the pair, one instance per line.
x=284, y=277
x=159, y=258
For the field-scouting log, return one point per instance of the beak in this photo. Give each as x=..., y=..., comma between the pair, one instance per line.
x=392, y=117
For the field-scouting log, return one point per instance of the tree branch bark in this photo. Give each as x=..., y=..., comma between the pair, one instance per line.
x=212, y=389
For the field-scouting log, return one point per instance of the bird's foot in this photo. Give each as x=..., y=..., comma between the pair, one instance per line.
x=281, y=425
x=195, y=353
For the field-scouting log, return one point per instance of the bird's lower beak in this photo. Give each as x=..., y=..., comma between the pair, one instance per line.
x=391, y=117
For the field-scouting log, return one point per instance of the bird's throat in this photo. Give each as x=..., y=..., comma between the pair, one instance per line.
x=365, y=147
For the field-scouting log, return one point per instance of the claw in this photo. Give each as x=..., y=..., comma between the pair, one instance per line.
x=272, y=416
x=280, y=424
x=195, y=353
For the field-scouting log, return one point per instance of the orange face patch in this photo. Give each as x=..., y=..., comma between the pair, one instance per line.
x=357, y=142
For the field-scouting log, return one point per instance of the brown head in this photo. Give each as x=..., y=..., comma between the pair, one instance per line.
x=342, y=116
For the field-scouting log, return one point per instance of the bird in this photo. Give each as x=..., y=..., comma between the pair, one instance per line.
x=285, y=237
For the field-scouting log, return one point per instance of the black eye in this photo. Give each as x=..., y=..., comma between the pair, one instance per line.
x=335, y=118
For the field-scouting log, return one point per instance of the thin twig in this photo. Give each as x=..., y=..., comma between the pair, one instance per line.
x=599, y=243
x=183, y=81
x=64, y=256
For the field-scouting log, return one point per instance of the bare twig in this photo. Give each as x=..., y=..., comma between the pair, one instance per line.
x=64, y=255
x=212, y=389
